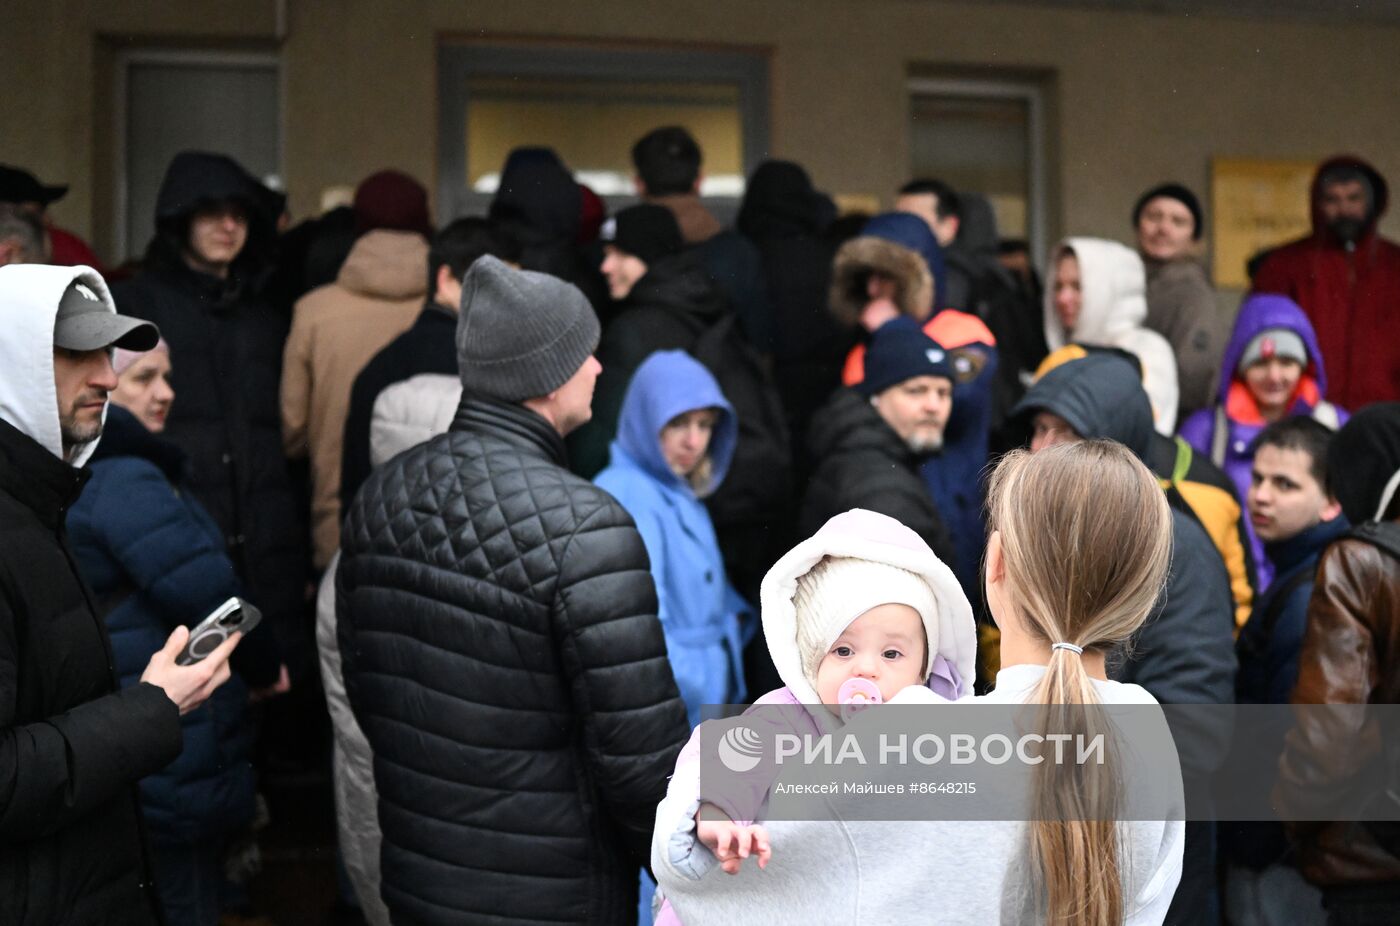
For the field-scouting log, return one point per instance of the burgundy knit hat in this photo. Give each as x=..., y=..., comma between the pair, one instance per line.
x=592, y=212
x=394, y=201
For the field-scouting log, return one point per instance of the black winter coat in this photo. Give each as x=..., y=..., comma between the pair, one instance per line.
x=538, y=206
x=72, y=746
x=736, y=267
x=226, y=357
x=860, y=462
x=978, y=283
x=786, y=218
x=226, y=352
x=497, y=622
x=1184, y=652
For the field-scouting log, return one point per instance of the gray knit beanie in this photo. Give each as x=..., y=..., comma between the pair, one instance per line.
x=520, y=334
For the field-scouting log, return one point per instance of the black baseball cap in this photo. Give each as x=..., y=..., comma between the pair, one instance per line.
x=20, y=186
x=83, y=323
x=647, y=231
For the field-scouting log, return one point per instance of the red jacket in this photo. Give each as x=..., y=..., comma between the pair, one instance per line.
x=69, y=250
x=1352, y=299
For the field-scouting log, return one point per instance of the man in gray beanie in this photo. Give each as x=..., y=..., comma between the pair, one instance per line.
x=501, y=651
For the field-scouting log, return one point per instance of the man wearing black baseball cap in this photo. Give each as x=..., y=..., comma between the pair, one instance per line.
x=664, y=300
x=23, y=190
x=69, y=820
x=85, y=330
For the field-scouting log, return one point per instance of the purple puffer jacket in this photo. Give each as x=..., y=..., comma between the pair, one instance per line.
x=1231, y=449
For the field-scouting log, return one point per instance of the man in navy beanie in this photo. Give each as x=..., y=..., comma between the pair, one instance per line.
x=869, y=440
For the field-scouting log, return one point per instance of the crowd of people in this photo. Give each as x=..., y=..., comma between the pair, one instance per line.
x=518, y=496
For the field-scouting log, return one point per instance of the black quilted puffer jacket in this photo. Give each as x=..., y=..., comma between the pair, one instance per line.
x=497, y=622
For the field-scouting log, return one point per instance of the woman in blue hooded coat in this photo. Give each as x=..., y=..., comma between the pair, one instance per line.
x=1272, y=369
x=675, y=439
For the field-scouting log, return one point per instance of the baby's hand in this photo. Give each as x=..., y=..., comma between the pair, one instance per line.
x=730, y=842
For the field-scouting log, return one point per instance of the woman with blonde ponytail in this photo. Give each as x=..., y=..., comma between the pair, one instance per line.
x=1080, y=544
x=1078, y=553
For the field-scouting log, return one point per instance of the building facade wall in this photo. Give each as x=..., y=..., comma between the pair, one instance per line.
x=1136, y=97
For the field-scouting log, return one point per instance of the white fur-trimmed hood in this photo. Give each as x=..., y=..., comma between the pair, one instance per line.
x=865, y=535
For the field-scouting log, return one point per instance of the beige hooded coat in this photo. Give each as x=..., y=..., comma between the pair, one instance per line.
x=336, y=330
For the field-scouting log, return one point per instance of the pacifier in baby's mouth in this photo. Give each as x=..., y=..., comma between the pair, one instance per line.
x=855, y=695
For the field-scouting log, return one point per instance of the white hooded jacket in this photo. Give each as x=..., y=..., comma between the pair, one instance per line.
x=1113, y=313
x=410, y=412
x=28, y=396
x=686, y=870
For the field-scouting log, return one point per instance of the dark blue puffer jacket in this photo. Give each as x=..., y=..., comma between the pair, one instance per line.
x=154, y=559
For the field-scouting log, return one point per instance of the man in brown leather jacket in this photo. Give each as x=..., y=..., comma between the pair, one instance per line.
x=1351, y=655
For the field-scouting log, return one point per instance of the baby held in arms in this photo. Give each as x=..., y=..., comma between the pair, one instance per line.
x=883, y=651
x=858, y=613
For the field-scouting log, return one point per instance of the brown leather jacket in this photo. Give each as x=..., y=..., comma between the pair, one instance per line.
x=1351, y=655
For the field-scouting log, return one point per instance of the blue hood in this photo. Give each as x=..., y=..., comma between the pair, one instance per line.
x=667, y=384
x=913, y=233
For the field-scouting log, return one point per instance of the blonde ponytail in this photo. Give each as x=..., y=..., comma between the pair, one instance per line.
x=1086, y=540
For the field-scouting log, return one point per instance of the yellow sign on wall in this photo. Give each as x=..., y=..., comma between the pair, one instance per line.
x=1255, y=204
x=848, y=203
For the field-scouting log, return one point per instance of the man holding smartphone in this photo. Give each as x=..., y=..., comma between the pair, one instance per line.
x=72, y=746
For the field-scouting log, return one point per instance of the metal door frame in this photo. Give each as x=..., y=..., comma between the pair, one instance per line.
x=1033, y=95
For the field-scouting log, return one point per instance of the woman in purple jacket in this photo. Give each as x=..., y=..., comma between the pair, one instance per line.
x=1272, y=369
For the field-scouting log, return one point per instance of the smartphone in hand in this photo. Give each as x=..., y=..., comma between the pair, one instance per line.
x=234, y=614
